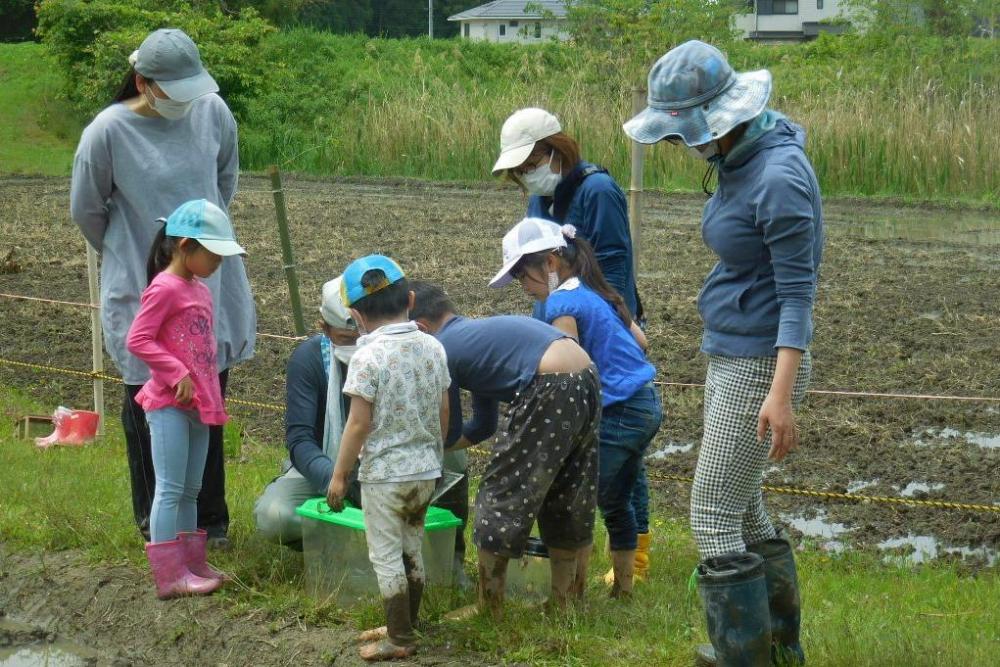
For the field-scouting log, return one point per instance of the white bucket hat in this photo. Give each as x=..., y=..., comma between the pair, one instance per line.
x=694, y=94
x=529, y=236
x=171, y=59
x=519, y=134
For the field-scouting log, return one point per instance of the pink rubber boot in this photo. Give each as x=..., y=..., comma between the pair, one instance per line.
x=173, y=578
x=194, y=555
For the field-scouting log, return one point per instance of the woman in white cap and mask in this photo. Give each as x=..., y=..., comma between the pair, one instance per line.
x=315, y=414
x=167, y=138
x=537, y=155
x=765, y=224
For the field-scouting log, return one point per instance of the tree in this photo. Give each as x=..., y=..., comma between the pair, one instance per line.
x=17, y=20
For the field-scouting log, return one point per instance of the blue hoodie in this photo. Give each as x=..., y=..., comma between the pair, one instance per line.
x=765, y=223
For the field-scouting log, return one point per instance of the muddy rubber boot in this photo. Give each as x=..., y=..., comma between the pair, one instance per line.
x=194, y=555
x=782, y=598
x=734, y=595
x=641, y=561
x=173, y=578
x=623, y=567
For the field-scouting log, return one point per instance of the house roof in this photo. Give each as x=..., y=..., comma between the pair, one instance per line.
x=511, y=9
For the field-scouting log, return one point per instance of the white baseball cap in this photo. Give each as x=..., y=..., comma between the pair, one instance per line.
x=529, y=236
x=519, y=134
x=332, y=307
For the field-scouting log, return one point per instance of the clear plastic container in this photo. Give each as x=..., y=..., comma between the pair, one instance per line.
x=530, y=577
x=335, y=552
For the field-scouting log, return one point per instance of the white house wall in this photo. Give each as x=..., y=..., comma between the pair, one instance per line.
x=808, y=13
x=489, y=30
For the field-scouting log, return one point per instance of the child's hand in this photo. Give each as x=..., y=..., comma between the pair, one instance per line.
x=185, y=390
x=335, y=494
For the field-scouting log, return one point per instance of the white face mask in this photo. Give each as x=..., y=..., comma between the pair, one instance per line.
x=542, y=180
x=706, y=152
x=343, y=353
x=166, y=107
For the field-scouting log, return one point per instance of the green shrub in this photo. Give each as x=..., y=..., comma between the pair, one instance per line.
x=91, y=41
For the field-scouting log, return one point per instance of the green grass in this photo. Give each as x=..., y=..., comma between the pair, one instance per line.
x=38, y=133
x=858, y=610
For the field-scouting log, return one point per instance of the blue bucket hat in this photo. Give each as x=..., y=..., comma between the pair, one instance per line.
x=695, y=95
x=351, y=288
x=202, y=220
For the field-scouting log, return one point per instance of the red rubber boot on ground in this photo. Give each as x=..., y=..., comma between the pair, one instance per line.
x=173, y=578
x=194, y=555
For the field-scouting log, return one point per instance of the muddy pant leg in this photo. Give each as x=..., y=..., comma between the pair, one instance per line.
x=170, y=434
x=389, y=509
x=213, y=513
x=413, y=559
x=187, y=509
x=140, y=459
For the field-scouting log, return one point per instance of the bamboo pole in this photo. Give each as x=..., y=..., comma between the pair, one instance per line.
x=96, y=337
x=286, y=249
x=635, y=185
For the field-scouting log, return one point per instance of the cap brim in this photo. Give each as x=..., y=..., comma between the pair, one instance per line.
x=744, y=100
x=512, y=157
x=222, y=248
x=191, y=88
x=503, y=277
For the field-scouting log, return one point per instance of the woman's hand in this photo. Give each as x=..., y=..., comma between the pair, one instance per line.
x=335, y=493
x=776, y=414
x=185, y=390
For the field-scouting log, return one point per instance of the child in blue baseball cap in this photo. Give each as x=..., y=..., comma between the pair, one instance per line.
x=398, y=382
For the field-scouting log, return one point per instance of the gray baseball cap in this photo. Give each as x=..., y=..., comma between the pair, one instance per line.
x=696, y=96
x=171, y=59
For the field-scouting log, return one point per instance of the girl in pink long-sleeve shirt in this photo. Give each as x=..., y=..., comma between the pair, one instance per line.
x=173, y=335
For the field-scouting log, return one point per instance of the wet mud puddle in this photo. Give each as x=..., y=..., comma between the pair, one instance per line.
x=26, y=645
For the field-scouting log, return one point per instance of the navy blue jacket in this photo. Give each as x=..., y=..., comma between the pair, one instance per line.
x=599, y=211
x=765, y=223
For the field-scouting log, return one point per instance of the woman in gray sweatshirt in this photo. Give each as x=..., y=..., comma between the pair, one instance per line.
x=167, y=138
x=765, y=224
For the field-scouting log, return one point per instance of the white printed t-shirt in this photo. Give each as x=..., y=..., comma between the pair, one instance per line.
x=404, y=374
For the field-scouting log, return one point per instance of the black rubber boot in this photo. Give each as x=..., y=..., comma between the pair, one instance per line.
x=782, y=598
x=734, y=595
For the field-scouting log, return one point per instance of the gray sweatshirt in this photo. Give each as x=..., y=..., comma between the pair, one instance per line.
x=130, y=170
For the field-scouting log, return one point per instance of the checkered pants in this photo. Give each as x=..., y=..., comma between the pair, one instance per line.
x=727, y=505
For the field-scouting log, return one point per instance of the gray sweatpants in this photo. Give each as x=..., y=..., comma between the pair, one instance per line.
x=727, y=504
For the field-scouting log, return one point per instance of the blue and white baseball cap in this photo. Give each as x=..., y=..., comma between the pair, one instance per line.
x=695, y=95
x=205, y=222
x=171, y=59
x=351, y=288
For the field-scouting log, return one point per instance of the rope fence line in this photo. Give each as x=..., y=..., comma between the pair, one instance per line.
x=661, y=383
x=654, y=476
x=21, y=297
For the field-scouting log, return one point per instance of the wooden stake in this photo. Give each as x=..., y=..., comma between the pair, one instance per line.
x=286, y=249
x=96, y=336
x=635, y=185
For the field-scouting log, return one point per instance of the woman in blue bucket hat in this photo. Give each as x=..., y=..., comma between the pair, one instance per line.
x=165, y=139
x=765, y=224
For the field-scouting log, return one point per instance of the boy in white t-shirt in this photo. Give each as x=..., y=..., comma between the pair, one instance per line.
x=398, y=382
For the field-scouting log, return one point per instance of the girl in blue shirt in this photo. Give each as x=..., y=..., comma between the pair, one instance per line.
x=556, y=267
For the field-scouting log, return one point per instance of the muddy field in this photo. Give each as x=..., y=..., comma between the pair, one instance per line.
x=907, y=303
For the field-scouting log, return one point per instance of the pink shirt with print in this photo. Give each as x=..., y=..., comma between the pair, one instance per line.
x=172, y=334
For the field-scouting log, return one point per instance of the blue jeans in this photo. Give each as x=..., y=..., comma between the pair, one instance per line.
x=179, y=443
x=640, y=500
x=627, y=428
